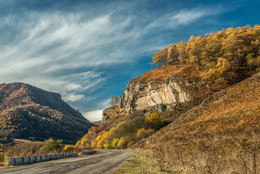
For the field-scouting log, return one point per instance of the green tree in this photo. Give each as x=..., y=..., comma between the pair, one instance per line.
x=51, y=145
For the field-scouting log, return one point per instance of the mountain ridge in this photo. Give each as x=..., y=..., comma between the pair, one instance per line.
x=24, y=107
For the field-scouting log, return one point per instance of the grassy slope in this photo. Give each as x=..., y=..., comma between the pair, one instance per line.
x=220, y=135
x=141, y=162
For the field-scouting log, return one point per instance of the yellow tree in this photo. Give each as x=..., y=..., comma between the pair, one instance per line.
x=172, y=53
x=194, y=49
x=231, y=46
x=160, y=57
x=181, y=46
x=154, y=120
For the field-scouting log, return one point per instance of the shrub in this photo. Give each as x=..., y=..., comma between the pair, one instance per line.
x=51, y=145
x=130, y=126
x=2, y=156
x=69, y=148
x=24, y=149
x=115, y=142
x=98, y=138
x=142, y=133
x=154, y=120
x=93, y=129
x=122, y=144
x=107, y=146
x=100, y=144
x=93, y=144
x=130, y=143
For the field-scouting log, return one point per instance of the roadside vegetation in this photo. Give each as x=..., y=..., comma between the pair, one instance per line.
x=141, y=162
x=23, y=148
x=124, y=135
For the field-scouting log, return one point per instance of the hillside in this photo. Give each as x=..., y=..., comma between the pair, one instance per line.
x=198, y=110
x=30, y=112
x=220, y=135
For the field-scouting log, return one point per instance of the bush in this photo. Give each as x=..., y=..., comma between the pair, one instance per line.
x=154, y=120
x=115, y=142
x=24, y=149
x=107, y=146
x=93, y=144
x=69, y=148
x=51, y=145
x=142, y=133
x=122, y=144
x=100, y=144
x=2, y=156
x=130, y=143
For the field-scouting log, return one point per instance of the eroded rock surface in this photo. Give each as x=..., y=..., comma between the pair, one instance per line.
x=139, y=96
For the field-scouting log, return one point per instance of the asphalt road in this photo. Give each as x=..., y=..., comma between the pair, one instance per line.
x=104, y=162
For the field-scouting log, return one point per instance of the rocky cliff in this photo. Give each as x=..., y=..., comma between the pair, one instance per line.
x=159, y=92
x=139, y=96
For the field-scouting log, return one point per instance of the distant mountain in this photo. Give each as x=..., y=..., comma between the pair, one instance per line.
x=30, y=112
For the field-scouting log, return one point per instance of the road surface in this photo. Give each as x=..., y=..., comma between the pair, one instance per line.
x=104, y=162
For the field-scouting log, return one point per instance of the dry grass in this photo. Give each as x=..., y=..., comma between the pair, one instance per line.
x=163, y=73
x=143, y=162
x=113, y=112
x=221, y=135
x=21, y=141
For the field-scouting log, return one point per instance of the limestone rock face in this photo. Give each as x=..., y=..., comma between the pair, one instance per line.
x=139, y=96
x=106, y=117
x=109, y=114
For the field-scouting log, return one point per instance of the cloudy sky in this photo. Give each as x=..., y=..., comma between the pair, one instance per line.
x=87, y=50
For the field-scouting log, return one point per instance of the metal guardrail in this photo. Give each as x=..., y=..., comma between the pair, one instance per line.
x=88, y=152
x=33, y=159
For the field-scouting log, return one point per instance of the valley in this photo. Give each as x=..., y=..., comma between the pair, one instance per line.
x=196, y=111
x=103, y=162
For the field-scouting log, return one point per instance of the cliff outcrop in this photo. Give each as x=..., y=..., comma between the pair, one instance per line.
x=140, y=96
x=160, y=88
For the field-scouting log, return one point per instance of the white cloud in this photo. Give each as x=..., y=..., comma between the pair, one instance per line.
x=184, y=17
x=188, y=16
x=65, y=52
x=95, y=115
x=73, y=97
x=47, y=44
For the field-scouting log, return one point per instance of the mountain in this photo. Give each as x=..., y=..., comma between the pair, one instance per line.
x=30, y=112
x=198, y=111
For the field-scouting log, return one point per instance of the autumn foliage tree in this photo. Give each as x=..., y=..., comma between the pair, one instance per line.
x=222, y=56
x=154, y=120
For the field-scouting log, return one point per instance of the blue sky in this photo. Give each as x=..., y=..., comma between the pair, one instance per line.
x=87, y=50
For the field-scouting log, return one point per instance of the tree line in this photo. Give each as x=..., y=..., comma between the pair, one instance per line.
x=220, y=55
